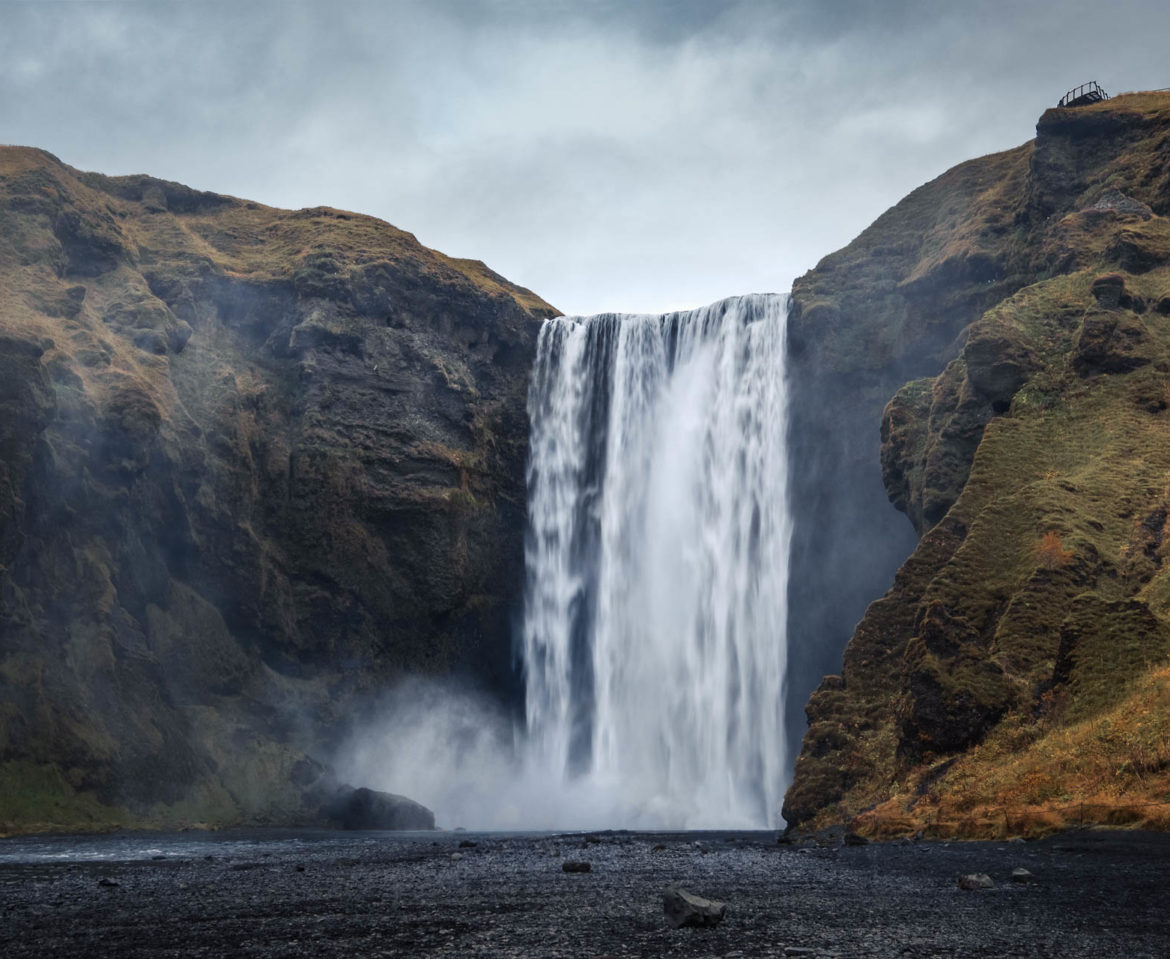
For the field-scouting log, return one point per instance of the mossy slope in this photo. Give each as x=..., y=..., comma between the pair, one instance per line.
x=1033, y=461
x=254, y=464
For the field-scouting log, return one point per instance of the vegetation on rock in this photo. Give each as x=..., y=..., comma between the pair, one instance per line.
x=1015, y=674
x=254, y=465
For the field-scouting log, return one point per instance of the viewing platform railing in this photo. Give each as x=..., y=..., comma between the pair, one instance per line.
x=1083, y=95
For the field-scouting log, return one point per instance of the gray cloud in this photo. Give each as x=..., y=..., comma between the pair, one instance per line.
x=610, y=155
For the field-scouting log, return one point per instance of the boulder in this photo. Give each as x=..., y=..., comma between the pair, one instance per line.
x=976, y=880
x=686, y=909
x=368, y=809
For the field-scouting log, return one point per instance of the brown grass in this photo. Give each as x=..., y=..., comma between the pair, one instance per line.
x=1050, y=553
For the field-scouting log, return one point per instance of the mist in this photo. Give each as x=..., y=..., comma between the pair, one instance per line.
x=458, y=752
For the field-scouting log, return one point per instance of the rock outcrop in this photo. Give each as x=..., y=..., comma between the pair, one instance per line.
x=1017, y=666
x=254, y=465
x=369, y=809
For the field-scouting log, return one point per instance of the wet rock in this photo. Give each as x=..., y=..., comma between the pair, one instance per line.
x=368, y=809
x=976, y=880
x=572, y=865
x=686, y=909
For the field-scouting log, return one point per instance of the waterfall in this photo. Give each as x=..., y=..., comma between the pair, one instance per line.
x=657, y=561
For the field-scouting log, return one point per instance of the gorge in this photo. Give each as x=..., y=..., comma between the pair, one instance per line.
x=261, y=466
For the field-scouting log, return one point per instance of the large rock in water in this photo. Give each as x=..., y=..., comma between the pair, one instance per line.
x=368, y=809
x=1030, y=449
x=254, y=465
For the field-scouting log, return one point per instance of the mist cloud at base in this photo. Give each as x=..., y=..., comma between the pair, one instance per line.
x=461, y=755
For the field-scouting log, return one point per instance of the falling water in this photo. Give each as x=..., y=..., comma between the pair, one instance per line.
x=657, y=561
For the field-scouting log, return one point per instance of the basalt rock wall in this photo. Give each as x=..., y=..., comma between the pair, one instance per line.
x=254, y=465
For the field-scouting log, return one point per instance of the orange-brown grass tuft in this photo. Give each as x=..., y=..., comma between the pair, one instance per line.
x=1050, y=552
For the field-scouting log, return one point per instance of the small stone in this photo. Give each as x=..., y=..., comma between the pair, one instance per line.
x=573, y=865
x=976, y=880
x=456, y=856
x=686, y=909
x=659, y=848
x=1020, y=874
x=854, y=839
x=467, y=844
x=798, y=951
x=1016, y=840
x=108, y=882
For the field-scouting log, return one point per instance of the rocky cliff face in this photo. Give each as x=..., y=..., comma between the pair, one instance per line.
x=254, y=465
x=1014, y=314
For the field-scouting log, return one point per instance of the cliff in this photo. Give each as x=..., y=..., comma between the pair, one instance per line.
x=254, y=465
x=1006, y=326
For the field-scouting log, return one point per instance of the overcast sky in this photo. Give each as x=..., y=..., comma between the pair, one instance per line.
x=611, y=155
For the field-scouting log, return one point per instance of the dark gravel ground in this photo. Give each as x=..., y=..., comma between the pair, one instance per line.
x=389, y=894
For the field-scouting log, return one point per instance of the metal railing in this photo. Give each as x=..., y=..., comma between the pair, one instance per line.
x=1090, y=92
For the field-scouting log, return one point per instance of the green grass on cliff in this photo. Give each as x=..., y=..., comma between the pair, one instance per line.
x=38, y=798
